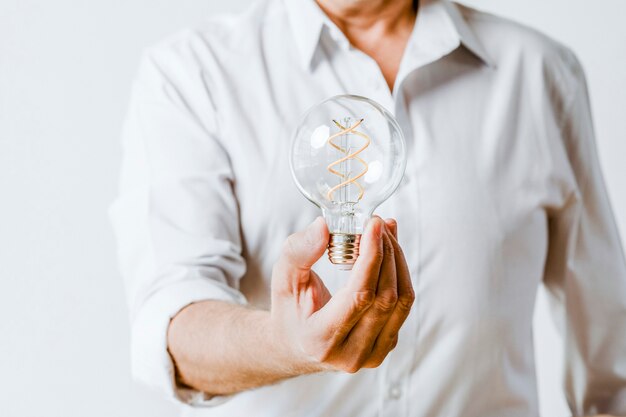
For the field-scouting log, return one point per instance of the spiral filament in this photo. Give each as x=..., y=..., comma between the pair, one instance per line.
x=340, y=166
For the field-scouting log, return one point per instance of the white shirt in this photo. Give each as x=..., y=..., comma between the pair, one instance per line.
x=503, y=191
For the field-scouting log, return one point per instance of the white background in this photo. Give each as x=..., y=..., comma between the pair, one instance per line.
x=65, y=71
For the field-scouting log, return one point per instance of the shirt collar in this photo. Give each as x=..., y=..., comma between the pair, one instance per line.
x=307, y=21
x=464, y=32
x=439, y=29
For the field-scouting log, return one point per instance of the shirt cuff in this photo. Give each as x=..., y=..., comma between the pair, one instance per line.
x=150, y=361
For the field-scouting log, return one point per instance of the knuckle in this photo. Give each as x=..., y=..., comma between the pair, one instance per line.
x=364, y=299
x=351, y=369
x=354, y=362
x=405, y=302
x=394, y=343
x=386, y=302
x=379, y=362
x=376, y=361
x=352, y=366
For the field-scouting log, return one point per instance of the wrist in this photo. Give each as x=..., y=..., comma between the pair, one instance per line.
x=289, y=353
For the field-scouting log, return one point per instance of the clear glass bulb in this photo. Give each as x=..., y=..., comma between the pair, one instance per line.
x=347, y=157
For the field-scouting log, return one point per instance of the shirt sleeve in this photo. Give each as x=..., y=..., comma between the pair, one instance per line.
x=176, y=216
x=586, y=273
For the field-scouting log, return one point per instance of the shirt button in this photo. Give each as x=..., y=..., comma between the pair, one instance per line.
x=395, y=392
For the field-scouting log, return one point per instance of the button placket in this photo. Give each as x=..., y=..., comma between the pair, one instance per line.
x=373, y=81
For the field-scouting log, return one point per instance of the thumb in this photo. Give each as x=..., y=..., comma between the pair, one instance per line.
x=301, y=250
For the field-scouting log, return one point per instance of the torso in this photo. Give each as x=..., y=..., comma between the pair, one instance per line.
x=471, y=209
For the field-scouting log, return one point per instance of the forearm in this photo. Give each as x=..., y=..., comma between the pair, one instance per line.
x=221, y=348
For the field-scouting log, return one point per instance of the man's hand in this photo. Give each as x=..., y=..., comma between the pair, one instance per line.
x=358, y=326
x=222, y=348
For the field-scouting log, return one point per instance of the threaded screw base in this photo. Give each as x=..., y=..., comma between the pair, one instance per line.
x=343, y=249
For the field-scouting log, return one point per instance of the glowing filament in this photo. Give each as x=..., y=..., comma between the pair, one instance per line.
x=346, y=181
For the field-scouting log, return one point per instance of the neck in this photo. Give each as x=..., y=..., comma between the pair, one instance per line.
x=379, y=28
x=382, y=16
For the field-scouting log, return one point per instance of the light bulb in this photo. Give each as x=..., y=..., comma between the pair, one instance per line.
x=347, y=157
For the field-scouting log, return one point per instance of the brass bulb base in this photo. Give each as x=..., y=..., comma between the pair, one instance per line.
x=343, y=249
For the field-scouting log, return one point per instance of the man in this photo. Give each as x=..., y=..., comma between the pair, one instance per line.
x=503, y=191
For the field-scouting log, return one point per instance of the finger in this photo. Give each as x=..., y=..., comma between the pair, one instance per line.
x=359, y=343
x=364, y=275
x=387, y=281
x=393, y=226
x=315, y=296
x=388, y=336
x=348, y=304
x=405, y=287
x=300, y=251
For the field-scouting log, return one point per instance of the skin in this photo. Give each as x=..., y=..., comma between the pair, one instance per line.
x=379, y=28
